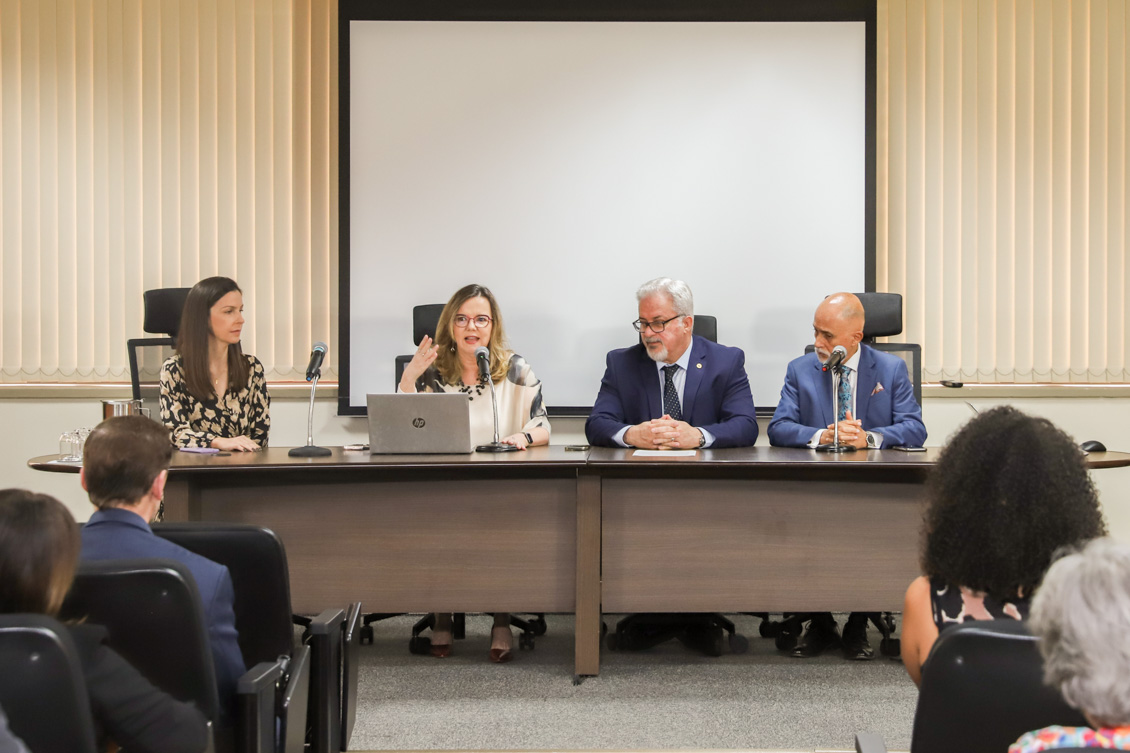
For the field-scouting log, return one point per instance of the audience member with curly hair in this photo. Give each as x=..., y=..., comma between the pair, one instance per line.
x=1080, y=616
x=1008, y=491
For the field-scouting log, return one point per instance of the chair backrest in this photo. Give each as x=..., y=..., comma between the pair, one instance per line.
x=42, y=692
x=163, y=307
x=425, y=319
x=152, y=611
x=882, y=314
x=351, y=662
x=256, y=560
x=706, y=326
x=982, y=688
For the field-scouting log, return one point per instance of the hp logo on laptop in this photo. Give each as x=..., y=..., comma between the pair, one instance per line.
x=418, y=423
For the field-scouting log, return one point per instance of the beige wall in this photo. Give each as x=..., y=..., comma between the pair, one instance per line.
x=33, y=425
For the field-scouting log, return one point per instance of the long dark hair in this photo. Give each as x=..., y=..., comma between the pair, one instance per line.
x=1007, y=492
x=39, y=548
x=192, y=339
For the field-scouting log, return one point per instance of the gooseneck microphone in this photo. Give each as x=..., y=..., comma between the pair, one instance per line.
x=482, y=357
x=316, y=357
x=835, y=363
x=313, y=374
x=839, y=355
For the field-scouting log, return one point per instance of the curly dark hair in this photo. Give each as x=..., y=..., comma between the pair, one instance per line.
x=1007, y=492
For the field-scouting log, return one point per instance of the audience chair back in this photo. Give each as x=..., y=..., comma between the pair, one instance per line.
x=982, y=688
x=163, y=308
x=153, y=613
x=42, y=691
x=259, y=690
x=256, y=560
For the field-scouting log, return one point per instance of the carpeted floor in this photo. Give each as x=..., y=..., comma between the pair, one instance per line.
x=667, y=697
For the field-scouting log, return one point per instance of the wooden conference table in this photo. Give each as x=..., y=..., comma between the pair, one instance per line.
x=550, y=530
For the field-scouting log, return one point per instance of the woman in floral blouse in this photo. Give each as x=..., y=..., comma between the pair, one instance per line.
x=212, y=394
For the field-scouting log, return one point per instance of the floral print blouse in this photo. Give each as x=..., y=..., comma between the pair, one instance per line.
x=237, y=413
x=1050, y=738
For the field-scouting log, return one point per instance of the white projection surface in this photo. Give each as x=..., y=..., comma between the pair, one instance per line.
x=562, y=164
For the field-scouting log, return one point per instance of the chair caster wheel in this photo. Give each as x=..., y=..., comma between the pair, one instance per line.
x=538, y=626
x=769, y=629
x=526, y=641
x=366, y=635
x=419, y=645
x=612, y=640
x=739, y=644
x=890, y=647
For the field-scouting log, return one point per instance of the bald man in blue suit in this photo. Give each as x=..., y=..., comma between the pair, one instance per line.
x=879, y=392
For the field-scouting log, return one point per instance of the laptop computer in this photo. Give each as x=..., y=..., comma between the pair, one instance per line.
x=418, y=424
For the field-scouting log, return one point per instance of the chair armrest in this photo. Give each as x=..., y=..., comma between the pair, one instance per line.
x=323, y=638
x=869, y=742
x=255, y=707
x=294, y=703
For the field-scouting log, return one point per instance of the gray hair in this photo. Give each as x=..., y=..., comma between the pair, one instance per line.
x=677, y=290
x=1080, y=615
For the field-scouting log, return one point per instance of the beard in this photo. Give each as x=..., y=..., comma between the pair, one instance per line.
x=658, y=355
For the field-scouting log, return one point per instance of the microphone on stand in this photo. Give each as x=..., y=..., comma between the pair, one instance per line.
x=839, y=355
x=313, y=374
x=835, y=362
x=482, y=357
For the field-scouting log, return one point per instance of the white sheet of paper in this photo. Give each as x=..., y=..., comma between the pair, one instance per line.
x=664, y=453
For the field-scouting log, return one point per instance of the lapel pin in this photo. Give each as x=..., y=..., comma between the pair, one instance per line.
x=698, y=365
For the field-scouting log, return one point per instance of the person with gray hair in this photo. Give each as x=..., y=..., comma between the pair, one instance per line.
x=1081, y=614
x=672, y=390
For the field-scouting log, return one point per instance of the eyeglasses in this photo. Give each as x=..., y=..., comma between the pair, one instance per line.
x=480, y=321
x=641, y=325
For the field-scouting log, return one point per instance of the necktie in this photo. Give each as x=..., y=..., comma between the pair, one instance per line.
x=670, y=396
x=845, y=392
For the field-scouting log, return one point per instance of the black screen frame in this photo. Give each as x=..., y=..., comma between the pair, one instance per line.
x=586, y=10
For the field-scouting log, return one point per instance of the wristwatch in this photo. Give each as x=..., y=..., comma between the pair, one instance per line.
x=529, y=438
x=701, y=438
x=870, y=440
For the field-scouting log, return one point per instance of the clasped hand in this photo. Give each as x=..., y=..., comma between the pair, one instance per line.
x=663, y=434
x=235, y=444
x=851, y=432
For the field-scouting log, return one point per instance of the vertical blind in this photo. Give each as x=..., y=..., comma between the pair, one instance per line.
x=150, y=143
x=1003, y=185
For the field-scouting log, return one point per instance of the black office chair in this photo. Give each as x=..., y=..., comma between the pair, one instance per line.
x=982, y=688
x=43, y=693
x=152, y=610
x=425, y=320
x=163, y=308
x=883, y=318
x=705, y=632
x=256, y=559
x=155, y=620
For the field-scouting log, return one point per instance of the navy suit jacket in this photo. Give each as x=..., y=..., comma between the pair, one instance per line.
x=716, y=395
x=114, y=534
x=806, y=401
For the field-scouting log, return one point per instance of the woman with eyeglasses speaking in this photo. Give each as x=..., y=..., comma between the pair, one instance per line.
x=472, y=320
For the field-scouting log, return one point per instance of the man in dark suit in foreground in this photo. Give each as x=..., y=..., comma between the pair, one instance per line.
x=673, y=390
x=876, y=387
x=125, y=465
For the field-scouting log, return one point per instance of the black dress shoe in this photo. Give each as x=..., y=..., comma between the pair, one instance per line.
x=855, y=644
x=817, y=639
